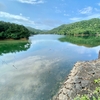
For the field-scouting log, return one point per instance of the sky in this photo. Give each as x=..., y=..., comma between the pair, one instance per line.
x=48, y=14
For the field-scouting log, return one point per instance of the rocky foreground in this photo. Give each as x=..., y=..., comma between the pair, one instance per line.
x=80, y=80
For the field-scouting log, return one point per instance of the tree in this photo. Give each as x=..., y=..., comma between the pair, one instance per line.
x=14, y=31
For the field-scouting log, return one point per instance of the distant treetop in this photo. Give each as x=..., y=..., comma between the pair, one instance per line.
x=86, y=27
x=13, y=31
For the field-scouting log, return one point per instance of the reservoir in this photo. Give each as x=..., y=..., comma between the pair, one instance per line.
x=35, y=70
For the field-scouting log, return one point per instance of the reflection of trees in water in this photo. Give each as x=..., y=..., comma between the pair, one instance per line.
x=12, y=47
x=83, y=41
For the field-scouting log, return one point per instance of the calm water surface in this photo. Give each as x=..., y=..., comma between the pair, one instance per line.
x=35, y=71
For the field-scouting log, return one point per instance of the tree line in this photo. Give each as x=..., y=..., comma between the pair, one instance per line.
x=13, y=31
x=82, y=28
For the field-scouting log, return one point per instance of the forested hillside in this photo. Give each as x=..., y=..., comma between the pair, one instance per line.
x=87, y=27
x=34, y=31
x=13, y=31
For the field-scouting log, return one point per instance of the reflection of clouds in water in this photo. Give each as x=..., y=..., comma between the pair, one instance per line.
x=70, y=45
x=96, y=49
x=25, y=82
x=82, y=50
x=40, y=38
x=76, y=48
x=89, y=55
x=8, y=57
x=41, y=41
x=89, y=52
x=37, y=41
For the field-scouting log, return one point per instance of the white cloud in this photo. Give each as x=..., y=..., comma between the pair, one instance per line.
x=26, y=21
x=58, y=11
x=97, y=10
x=66, y=14
x=75, y=19
x=93, y=16
x=31, y=1
x=20, y=14
x=17, y=18
x=98, y=4
x=87, y=10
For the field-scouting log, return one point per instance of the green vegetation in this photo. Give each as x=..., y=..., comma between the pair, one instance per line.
x=89, y=41
x=92, y=95
x=35, y=31
x=13, y=31
x=13, y=46
x=83, y=28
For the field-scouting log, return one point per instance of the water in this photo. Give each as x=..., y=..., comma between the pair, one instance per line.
x=35, y=70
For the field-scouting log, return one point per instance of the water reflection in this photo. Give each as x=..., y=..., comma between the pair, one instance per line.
x=30, y=81
x=13, y=46
x=36, y=72
x=87, y=41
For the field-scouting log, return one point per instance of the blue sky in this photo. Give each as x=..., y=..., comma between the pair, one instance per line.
x=48, y=14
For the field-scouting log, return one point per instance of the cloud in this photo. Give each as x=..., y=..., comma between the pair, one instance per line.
x=93, y=16
x=98, y=4
x=2, y=6
x=48, y=23
x=26, y=21
x=66, y=14
x=52, y=22
x=87, y=10
x=57, y=10
x=16, y=18
x=31, y=1
x=97, y=10
x=75, y=19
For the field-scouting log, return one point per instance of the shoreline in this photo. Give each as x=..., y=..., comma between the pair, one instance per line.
x=10, y=39
x=80, y=80
x=13, y=41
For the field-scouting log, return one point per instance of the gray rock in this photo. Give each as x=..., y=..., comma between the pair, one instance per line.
x=79, y=80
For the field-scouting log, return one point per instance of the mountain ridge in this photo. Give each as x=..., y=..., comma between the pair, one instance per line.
x=84, y=27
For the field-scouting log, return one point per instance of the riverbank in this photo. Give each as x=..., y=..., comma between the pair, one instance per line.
x=80, y=80
x=12, y=41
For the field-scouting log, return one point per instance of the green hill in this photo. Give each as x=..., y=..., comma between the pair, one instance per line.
x=82, y=28
x=13, y=31
x=36, y=31
x=33, y=30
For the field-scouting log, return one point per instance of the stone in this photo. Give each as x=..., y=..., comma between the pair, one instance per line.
x=79, y=80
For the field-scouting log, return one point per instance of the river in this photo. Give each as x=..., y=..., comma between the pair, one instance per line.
x=36, y=70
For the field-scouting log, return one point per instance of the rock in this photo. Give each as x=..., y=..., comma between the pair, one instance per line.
x=79, y=80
